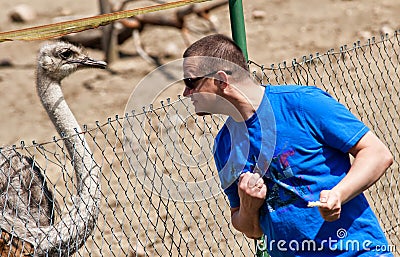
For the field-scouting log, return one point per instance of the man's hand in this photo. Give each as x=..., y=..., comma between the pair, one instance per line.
x=252, y=192
x=330, y=206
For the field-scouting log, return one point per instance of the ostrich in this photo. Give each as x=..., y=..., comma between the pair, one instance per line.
x=27, y=206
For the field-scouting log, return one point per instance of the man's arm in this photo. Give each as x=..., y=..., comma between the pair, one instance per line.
x=252, y=193
x=371, y=159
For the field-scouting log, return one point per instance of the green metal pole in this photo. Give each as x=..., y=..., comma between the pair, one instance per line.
x=237, y=25
x=239, y=36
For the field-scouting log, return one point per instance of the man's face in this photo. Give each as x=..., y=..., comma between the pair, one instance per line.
x=200, y=87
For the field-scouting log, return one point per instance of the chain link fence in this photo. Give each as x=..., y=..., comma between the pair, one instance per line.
x=152, y=160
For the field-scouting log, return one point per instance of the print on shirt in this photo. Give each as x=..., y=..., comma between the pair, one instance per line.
x=283, y=186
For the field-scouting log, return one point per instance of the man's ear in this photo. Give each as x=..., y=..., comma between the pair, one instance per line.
x=221, y=79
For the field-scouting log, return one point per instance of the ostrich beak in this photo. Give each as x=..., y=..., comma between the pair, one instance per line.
x=90, y=63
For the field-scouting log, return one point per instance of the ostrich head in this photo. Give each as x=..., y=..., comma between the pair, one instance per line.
x=57, y=61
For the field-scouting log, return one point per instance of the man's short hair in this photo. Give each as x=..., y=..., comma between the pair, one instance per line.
x=218, y=46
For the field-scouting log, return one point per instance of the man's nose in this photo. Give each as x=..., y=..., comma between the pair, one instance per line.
x=187, y=92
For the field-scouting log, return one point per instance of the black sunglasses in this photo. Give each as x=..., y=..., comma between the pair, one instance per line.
x=190, y=82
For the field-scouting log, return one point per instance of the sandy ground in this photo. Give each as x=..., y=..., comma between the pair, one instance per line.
x=289, y=29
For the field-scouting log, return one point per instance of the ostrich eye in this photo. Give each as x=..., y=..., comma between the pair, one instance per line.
x=65, y=54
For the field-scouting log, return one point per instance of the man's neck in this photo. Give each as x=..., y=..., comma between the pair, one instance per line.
x=247, y=102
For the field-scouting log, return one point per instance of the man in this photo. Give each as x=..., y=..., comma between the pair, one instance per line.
x=314, y=134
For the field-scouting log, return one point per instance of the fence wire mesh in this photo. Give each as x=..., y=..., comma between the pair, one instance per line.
x=149, y=160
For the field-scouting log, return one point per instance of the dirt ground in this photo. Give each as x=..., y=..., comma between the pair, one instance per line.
x=286, y=30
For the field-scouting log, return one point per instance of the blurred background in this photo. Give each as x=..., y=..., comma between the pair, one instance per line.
x=277, y=30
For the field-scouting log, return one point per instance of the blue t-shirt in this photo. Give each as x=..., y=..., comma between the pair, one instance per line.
x=311, y=137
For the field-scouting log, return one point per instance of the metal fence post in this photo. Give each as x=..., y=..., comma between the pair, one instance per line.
x=239, y=36
x=237, y=25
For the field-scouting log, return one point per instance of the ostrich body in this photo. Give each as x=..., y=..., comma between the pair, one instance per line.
x=55, y=62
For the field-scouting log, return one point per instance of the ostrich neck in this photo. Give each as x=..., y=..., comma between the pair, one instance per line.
x=63, y=119
x=79, y=224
